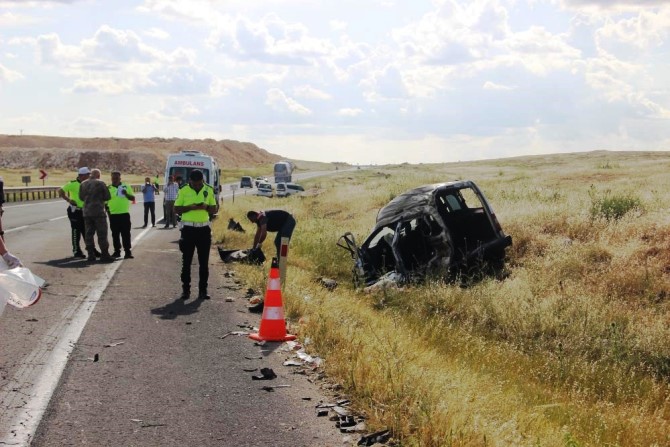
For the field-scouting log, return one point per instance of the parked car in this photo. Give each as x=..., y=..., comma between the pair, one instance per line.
x=281, y=190
x=294, y=188
x=287, y=189
x=246, y=182
x=264, y=189
x=259, y=180
x=440, y=230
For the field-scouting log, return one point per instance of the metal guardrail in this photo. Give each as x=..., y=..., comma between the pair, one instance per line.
x=25, y=194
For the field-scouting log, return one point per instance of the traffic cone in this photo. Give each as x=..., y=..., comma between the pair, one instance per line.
x=273, y=326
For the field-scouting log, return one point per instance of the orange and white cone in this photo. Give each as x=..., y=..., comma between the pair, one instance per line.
x=273, y=326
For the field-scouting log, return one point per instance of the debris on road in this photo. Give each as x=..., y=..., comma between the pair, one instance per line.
x=144, y=424
x=238, y=333
x=271, y=388
x=266, y=374
x=292, y=363
x=378, y=437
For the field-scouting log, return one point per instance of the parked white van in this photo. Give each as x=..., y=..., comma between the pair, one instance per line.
x=287, y=189
x=180, y=166
x=264, y=189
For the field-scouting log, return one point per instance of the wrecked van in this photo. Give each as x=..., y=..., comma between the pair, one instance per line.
x=442, y=229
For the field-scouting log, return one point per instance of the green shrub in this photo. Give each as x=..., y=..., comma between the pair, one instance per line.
x=613, y=207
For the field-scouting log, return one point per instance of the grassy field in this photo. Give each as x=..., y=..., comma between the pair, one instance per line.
x=571, y=349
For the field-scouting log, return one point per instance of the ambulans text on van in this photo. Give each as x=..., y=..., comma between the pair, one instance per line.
x=180, y=165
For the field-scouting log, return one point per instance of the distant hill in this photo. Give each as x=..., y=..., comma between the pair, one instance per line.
x=130, y=155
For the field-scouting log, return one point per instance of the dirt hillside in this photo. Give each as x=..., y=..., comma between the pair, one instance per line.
x=136, y=155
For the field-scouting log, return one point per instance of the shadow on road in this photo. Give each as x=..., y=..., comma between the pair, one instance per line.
x=67, y=263
x=177, y=308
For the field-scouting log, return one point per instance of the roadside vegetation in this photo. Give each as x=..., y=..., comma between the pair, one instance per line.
x=12, y=177
x=572, y=348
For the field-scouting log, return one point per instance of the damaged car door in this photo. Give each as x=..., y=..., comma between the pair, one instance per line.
x=441, y=229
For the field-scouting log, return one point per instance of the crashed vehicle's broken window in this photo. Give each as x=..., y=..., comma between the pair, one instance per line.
x=440, y=229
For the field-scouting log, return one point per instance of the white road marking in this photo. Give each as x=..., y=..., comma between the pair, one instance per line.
x=28, y=393
x=57, y=218
x=16, y=229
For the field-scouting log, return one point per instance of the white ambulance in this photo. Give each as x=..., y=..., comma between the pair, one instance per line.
x=180, y=166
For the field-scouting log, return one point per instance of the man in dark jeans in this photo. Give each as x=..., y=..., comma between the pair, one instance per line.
x=118, y=208
x=271, y=220
x=70, y=193
x=149, y=191
x=195, y=202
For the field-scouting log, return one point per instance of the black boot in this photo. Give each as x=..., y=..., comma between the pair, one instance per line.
x=185, y=294
x=202, y=295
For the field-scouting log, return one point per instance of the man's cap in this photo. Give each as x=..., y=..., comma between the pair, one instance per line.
x=84, y=171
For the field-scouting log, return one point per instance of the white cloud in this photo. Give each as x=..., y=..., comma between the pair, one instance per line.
x=271, y=41
x=52, y=52
x=157, y=33
x=280, y=102
x=488, y=85
x=493, y=76
x=179, y=109
x=117, y=46
x=307, y=91
x=338, y=25
x=7, y=75
x=349, y=112
x=191, y=11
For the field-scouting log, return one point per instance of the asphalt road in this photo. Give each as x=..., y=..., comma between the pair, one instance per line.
x=111, y=356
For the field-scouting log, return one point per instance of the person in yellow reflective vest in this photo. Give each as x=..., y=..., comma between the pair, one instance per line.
x=118, y=209
x=70, y=193
x=196, y=202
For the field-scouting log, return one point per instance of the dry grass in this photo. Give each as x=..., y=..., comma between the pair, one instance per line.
x=571, y=349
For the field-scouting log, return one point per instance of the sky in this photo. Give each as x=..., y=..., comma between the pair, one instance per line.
x=356, y=81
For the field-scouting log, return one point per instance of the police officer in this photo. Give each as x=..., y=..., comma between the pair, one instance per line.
x=118, y=208
x=70, y=193
x=195, y=202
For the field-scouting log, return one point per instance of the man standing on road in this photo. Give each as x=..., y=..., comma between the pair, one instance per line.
x=94, y=194
x=170, y=190
x=118, y=208
x=195, y=202
x=70, y=192
x=272, y=220
x=149, y=191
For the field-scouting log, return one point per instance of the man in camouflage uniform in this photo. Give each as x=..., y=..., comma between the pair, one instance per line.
x=94, y=194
